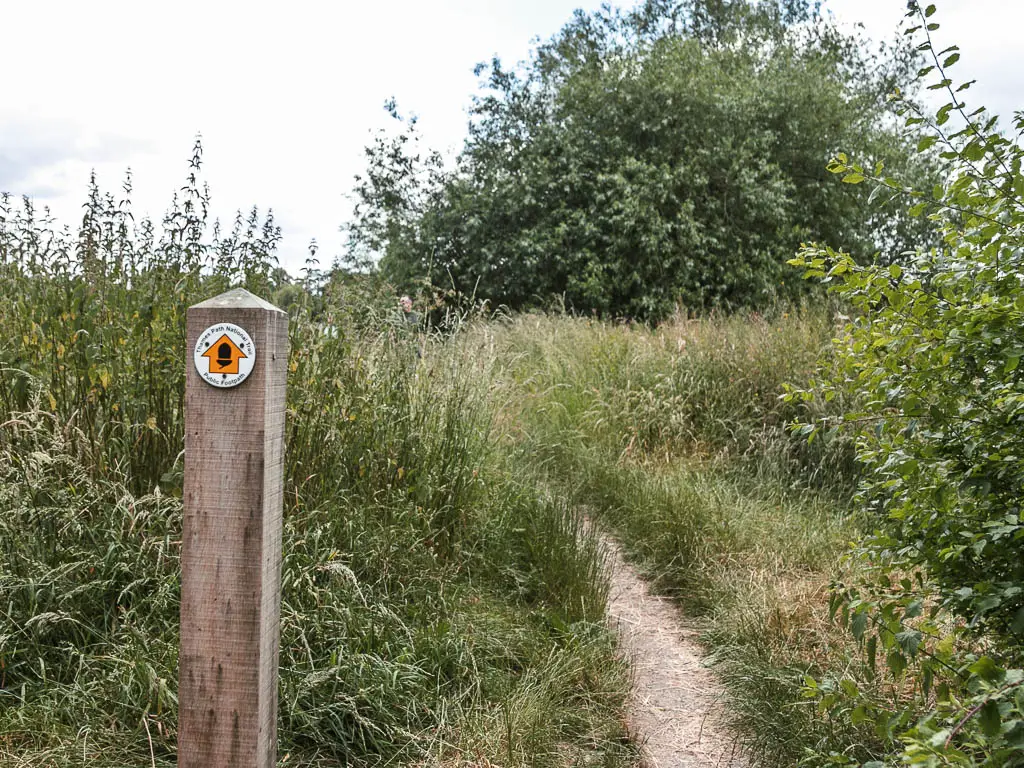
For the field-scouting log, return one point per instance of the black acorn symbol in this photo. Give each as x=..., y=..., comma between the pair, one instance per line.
x=224, y=355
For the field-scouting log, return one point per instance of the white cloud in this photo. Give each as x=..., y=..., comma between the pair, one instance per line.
x=986, y=31
x=286, y=94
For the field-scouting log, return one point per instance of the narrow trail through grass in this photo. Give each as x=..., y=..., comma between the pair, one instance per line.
x=676, y=711
x=675, y=440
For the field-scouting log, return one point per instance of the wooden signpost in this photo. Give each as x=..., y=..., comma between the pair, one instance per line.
x=231, y=546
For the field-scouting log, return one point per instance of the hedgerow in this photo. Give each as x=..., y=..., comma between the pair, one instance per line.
x=934, y=349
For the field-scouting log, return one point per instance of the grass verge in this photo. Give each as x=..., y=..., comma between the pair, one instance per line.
x=436, y=610
x=676, y=439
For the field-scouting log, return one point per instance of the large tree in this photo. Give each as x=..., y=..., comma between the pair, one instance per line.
x=673, y=155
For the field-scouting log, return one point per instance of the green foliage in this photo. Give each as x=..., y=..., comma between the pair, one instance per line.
x=702, y=388
x=96, y=319
x=675, y=439
x=934, y=350
x=639, y=161
x=435, y=608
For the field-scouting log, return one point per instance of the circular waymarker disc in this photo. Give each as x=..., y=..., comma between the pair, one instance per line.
x=225, y=355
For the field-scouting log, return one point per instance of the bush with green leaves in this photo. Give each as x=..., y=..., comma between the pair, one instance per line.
x=670, y=155
x=934, y=349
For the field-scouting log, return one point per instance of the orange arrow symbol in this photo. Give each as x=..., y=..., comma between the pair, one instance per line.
x=224, y=355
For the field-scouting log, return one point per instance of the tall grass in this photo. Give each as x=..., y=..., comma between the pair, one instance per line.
x=436, y=608
x=95, y=319
x=701, y=389
x=676, y=439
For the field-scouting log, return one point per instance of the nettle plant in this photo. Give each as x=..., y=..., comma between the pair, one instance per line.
x=934, y=349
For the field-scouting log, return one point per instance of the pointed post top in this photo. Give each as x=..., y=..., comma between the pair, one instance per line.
x=237, y=298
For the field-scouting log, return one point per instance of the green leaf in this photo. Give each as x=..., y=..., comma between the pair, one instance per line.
x=1018, y=622
x=858, y=624
x=938, y=739
x=909, y=640
x=990, y=719
x=986, y=669
x=1015, y=735
x=897, y=663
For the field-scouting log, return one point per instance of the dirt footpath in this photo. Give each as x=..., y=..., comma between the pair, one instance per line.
x=676, y=707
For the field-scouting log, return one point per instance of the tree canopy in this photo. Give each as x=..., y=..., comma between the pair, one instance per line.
x=672, y=155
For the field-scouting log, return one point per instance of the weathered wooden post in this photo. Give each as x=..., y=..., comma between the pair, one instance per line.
x=231, y=547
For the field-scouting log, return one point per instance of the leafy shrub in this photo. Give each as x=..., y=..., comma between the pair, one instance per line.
x=934, y=349
x=672, y=154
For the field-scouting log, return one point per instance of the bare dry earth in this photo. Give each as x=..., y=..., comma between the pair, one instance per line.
x=676, y=711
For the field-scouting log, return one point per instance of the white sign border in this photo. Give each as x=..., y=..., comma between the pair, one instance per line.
x=245, y=365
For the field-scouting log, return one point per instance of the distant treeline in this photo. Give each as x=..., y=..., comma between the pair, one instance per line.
x=674, y=155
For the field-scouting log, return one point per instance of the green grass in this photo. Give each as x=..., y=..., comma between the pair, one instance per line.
x=411, y=618
x=676, y=440
x=436, y=609
x=443, y=603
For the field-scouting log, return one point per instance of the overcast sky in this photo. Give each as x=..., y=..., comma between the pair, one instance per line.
x=286, y=95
